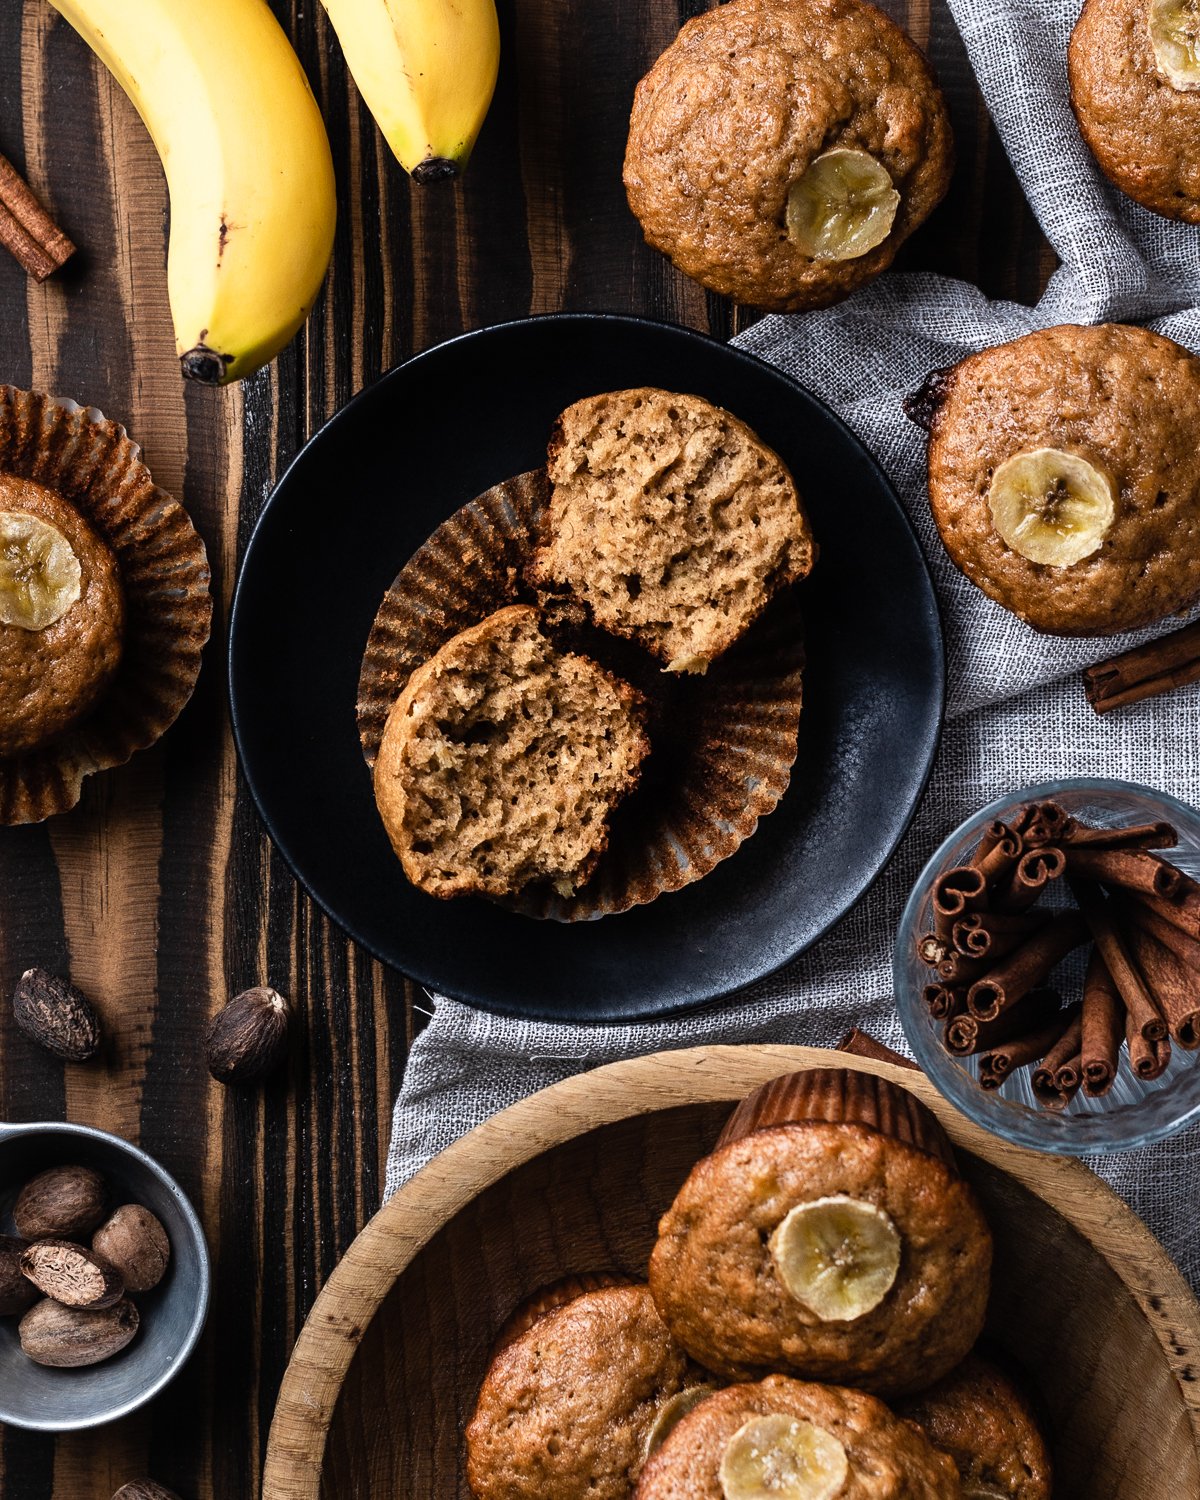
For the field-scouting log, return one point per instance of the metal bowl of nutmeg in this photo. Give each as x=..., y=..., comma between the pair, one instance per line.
x=104, y=1277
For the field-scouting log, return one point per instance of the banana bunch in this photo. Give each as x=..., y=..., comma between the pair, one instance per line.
x=247, y=162
x=1175, y=37
x=844, y=205
x=785, y=1457
x=1051, y=506
x=427, y=69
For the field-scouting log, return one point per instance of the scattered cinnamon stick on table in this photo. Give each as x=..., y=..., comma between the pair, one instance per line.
x=1159, y=666
x=862, y=1044
x=26, y=230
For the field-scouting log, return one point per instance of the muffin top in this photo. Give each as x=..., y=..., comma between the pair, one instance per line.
x=833, y=1250
x=788, y=1440
x=982, y=1418
x=781, y=151
x=670, y=520
x=62, y=616
x=1134, y=67
x=568, y=1406
x=1064, y=476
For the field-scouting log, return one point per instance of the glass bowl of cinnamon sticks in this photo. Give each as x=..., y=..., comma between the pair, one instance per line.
x=1047, y=967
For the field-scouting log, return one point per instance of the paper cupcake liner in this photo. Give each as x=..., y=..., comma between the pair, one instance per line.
x=95, y=465
x=840, y=1096
x=723, y=743
x=548, y=1298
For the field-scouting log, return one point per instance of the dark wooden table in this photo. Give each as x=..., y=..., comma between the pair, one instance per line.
x=160, y=894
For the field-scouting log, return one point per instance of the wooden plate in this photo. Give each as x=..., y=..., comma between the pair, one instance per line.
x=385, y=1372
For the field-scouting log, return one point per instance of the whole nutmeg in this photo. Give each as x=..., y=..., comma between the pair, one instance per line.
x=135, y=1242
x=248, y=1039
x=72, y=1275
x=144, y=1489
x=68, y=1337
x=56, y=1016
x=16, y=1293
x=62, y=1202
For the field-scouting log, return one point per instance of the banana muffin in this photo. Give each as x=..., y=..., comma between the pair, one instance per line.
x=569, y=1405
x=781, y=151
x=62, y=616
x=830, y=1235
x=503, y=759
x=1064, y=475
x=670, y=520
x=1134, y=68
x=789, y=1440
x=985, y=1422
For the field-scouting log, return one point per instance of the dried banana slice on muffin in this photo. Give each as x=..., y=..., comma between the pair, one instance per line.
x=572, y=1405
x=786, y=1439
x=62, y=616
x=828, y=1234
x=670, y=520
x=781, y=151
x=1134, y=69
x=1064, y=475
x=503, y=759
x=985, y=1421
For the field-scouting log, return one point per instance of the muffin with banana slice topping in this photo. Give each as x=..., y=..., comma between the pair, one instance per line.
x=781, y=151
x=1064, y=475
x=982, y=1418
x=789, y=1440
x=62, y=616
x=581, y=1388
x=1134, y=67
x=830, y=1235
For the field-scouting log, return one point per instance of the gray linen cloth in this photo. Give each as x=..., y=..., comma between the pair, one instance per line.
x=1017, y=714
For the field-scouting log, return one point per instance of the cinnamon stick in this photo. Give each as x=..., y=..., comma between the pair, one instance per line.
x=1135, y=836
x=26, y=229
x=955, y=892
x=944, y=1001
x=1136, y=870
x=1159, y=666
x=1060, y=1057
x=931, y=949
x=1147, y=1058
x=1144, y=1013
x=1045, y=823
x=992, y=934
x=967, y=1034
x=957, y=968
x=1176, y=989
x=862, y=1044
x=1026, y=967
x=1103, y=1027
x=1185, y=948
x=1182, y=913
x=997, y=853
x=1005, y=1058
x=1033, y=872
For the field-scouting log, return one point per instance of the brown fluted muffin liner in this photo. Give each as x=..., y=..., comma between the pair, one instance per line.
x=547, y=1298
x=840, y=1096
x=723, y=744
x=95, y=465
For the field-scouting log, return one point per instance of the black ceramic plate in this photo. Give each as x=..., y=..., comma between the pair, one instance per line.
x=368, y=490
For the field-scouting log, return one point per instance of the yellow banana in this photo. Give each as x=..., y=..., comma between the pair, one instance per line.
x=426, y=69
x=247, y=162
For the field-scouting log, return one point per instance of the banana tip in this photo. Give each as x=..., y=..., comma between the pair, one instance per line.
x=205, y=365
x=435, y=169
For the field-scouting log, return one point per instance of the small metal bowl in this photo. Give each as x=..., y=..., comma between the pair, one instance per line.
x=1134, y=1112
x=172, y=1315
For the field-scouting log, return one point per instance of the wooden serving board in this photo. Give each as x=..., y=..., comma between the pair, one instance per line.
x=387, y=1367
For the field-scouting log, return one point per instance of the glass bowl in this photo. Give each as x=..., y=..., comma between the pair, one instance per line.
x=1134, y=1112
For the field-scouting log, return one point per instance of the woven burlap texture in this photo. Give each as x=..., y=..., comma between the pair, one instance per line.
x=1017, y=714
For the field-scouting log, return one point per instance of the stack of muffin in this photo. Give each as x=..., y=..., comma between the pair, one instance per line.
x=825, y=1255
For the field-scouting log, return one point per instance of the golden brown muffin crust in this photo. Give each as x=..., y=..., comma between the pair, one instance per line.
x=1126, y=400
x=1144, y=132
x=566, y=1409
x=716, y=1285
x=888, y=1458
x=985, y=1422
x=51, y=679
x=736, y=110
